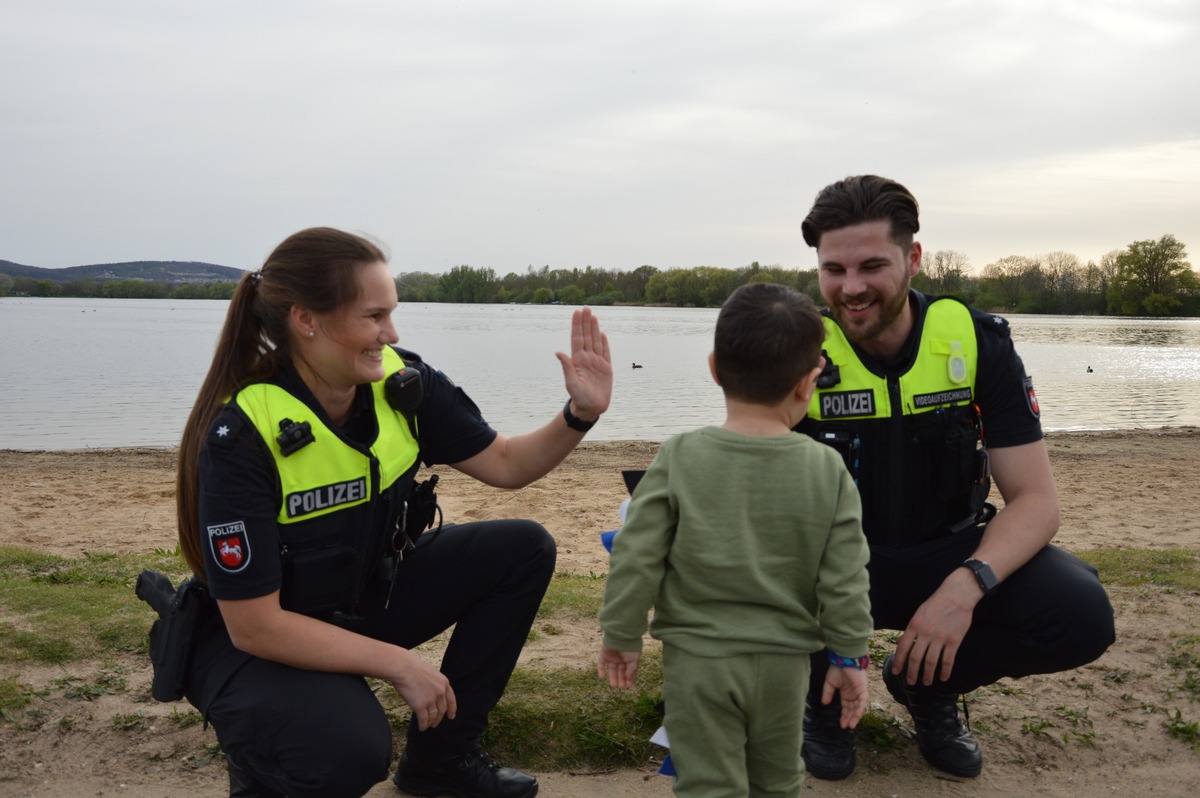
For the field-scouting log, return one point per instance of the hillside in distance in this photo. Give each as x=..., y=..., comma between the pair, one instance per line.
x=170, y=271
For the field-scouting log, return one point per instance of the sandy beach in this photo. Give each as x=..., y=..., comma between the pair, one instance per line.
x=1099, y=729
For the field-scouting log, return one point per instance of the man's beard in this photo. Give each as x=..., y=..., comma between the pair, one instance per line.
x=887, y=315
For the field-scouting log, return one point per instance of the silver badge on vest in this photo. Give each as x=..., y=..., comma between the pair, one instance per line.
x=846, y=404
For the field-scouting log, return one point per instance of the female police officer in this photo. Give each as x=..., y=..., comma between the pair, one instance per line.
x=295, y=484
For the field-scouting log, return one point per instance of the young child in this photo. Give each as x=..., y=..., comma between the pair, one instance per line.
x=747, y=541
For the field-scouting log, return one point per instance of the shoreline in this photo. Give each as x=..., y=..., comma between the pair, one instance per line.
x=1049, y=433
x=1117, y=489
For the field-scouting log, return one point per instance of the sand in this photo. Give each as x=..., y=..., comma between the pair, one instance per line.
x=1098, y=729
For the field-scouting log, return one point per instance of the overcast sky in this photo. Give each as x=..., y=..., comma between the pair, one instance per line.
x=610, y=134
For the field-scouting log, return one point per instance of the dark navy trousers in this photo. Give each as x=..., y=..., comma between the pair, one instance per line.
x=1050, y=615
x=306, y=733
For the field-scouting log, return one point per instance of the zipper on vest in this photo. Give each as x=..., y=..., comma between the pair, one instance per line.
x=370, y=552
x=895, y=499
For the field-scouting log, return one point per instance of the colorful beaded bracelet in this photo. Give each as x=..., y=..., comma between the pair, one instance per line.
x=859, y=663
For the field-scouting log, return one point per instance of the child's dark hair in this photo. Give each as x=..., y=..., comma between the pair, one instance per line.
x=768, y=336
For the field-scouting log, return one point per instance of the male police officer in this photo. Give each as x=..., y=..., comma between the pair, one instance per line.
x=912, y=385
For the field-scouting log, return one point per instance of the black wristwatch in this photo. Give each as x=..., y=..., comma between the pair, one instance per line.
x=573, y=421
x=983, y=575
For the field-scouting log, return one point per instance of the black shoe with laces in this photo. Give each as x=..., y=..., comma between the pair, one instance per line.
x=472, y=775
x=942, y=738
x=828, y=750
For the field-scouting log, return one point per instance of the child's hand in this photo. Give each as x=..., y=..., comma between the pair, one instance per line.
x=619, y=667
x=852, y=682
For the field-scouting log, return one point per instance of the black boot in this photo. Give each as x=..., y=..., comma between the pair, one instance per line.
x=243, y=785
x=472, y=775
x=942, y=738
x=828, y=750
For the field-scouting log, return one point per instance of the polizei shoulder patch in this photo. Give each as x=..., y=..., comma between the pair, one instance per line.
x=230, y=546
x=844, y=404
x=1031, y=398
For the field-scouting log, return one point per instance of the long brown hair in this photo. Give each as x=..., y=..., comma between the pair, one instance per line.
x=315, y=269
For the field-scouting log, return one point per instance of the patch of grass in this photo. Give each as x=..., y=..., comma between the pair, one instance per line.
x=185, y=719
x=1191, y=685
x=1116, y=675
x=1184, y=730
x=111, y=682
x=1185, y=662
x=1002, y=688
x=572, y=595
x=14, y=698
x=74, y=687
x=1036, y=728
x=119, y=570
x=882, y=729
x=130, y=721
x=1173, y=568
x=70, y=609
x=564, y=718
x=1079, y=725
x=64, y=610
x=882, y=644
x=209, y=754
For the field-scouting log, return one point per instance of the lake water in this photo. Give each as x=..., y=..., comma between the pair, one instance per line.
x=101, y=373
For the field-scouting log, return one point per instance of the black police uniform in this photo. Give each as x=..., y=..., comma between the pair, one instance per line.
x=1051, y=614
x=308, y=733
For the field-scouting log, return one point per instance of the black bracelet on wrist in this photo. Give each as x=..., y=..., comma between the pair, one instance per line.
x=573, y=421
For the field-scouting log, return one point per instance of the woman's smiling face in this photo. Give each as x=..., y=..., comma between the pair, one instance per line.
x=347, y=346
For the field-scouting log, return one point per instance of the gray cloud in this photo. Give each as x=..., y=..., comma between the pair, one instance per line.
x=614, y=134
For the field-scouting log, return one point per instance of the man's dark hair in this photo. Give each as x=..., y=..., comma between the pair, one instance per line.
x=864, y=198
x=768, y=336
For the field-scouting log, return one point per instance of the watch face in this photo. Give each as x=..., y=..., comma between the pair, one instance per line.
x=983, y=575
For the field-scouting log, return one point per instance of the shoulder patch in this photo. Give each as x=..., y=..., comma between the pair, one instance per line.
x=225, y=428
x=230, y=546
x=1031, y=399
x=998, y=325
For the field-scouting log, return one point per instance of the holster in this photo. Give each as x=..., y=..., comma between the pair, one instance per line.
x=172, y=635
x=423, y=508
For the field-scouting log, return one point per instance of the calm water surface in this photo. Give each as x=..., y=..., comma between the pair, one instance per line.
x=85, y=373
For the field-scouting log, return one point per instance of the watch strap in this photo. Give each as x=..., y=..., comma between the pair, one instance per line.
x=574, y=421
x=984, y=576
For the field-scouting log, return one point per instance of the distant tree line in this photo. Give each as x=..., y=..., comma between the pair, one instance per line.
x=701, y=286
x=114, y=289
x=1147, y=278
